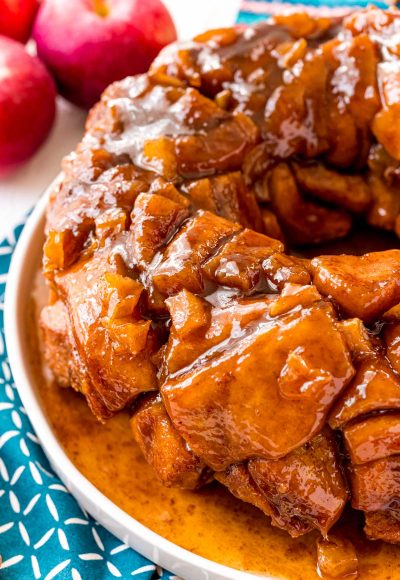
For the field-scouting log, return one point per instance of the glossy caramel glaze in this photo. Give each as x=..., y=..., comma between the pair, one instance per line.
x=236, y=360
x=210, y=522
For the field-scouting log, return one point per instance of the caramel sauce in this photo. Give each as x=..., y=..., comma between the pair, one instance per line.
x=163, y=126
x=209, y=522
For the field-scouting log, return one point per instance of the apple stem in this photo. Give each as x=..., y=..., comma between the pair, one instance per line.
x=101, y=8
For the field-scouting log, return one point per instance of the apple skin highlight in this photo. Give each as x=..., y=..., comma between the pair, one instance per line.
x=88, y=44
x=16, y=18
x=27, y=104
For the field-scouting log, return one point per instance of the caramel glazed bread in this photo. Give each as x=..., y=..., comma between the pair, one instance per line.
x=171, y=292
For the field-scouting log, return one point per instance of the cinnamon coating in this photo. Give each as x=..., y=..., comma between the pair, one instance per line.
x=172, y=298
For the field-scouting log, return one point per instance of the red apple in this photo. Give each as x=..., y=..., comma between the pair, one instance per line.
x=87, y=44
x=27, y=104
x=16, y=18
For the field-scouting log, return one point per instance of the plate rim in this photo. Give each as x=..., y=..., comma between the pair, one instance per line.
x=150, y=544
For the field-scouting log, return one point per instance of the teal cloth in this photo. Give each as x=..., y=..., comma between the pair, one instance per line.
x=43, y=531
x=256, y=10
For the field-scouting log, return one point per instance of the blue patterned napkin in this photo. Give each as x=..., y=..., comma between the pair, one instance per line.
x=43, y=531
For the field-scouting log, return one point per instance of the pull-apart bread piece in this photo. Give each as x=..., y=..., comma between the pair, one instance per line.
x=246, y=366
x=173, y=297
x=174, y=462
x=334, y=122
x=93, y=257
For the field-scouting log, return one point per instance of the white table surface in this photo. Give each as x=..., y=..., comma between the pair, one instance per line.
x=20, y=191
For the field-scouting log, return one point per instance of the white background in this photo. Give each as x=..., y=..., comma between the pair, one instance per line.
x=20, y=191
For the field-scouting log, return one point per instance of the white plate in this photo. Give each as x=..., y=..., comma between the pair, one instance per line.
x=24, y=265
